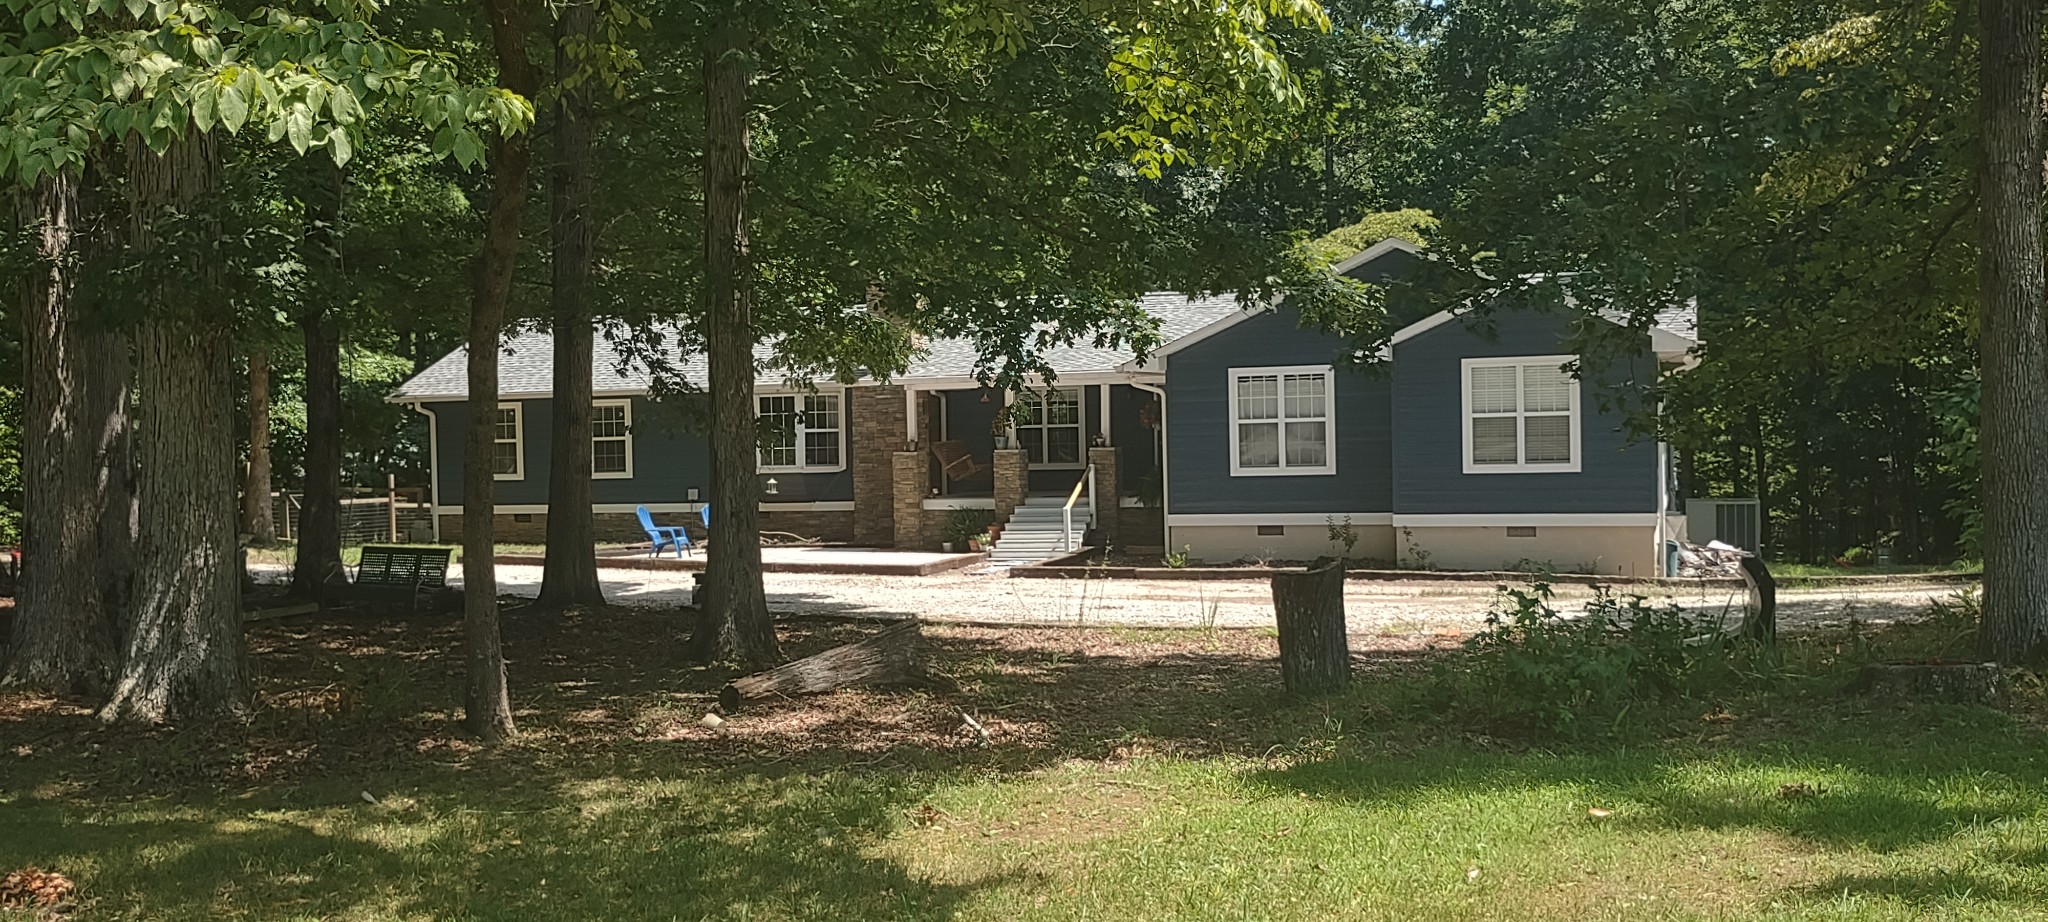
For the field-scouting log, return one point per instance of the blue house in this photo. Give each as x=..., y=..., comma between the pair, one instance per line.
x=1475, y=445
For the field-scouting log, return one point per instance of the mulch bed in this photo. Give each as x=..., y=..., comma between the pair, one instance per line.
x=606, y=689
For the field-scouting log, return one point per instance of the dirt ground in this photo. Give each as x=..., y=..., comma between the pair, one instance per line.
x=1373, y=607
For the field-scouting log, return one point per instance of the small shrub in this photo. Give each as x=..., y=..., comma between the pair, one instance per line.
x=1573, y=674
x=967, y=523
x=1179, y=559
x=1858, y=557
x=1343, y=534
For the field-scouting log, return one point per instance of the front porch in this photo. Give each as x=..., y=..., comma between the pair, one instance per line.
x=962, y=450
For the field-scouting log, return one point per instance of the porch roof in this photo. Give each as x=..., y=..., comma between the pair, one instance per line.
x=526, y=363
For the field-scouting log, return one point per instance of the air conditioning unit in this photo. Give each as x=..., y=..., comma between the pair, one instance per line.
x=1738, y=522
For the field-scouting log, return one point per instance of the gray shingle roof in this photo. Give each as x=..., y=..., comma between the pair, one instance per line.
x=526, y=364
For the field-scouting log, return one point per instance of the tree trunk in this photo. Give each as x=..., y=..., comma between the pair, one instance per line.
x=1315, y=652
x=735, y=624
x=256, y=521
x=184, y=657
x=569, y=574
x=77, y=494
x=317, y=560
x=2013, y=334
x=487, y=709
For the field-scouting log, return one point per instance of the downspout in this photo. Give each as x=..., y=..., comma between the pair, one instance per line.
x=1165, y=491
x=433, y=465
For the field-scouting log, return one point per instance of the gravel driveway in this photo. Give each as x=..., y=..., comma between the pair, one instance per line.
x=1404, y=608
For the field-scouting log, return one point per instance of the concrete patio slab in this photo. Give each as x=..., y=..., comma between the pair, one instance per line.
x=871, y=561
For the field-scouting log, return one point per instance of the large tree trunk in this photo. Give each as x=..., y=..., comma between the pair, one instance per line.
x=184, y=657
x=2012, y=335
x=317, y=560
x=735, y=624
x=569, y=576
x=256, y=521
x=487, y=709
x=77, y=491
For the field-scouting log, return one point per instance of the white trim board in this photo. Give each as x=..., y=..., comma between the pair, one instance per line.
x=1197, y=519
x=1373, y=252
x=542, y=508
x=1540, y=519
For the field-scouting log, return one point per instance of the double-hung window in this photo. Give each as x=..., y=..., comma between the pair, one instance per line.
x=801, y=432
x=1521, y=415
x=611, y=439
x=508, y=443
x=1049, y=427
x=1282, y=421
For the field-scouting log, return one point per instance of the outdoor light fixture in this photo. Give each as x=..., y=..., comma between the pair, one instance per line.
x=771, y=487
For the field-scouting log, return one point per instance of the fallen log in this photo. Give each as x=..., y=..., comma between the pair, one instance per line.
x=892, y=656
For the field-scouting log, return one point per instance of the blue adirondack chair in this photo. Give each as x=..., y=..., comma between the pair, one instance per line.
x=660, y=536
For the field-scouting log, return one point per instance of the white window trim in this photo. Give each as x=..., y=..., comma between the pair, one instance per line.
x=1080, y=426
x=845, y=421
x=1519, y=467
x=627, y=474
x=518, y=441
x=1329, y=465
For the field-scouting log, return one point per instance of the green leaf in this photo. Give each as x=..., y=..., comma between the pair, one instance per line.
x=299, y=128
x=233, y=108
x=339, y=147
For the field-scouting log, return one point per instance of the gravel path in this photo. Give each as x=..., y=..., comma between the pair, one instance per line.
x=1405, y=608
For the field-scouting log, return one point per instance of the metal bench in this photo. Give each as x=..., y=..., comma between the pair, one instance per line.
x=401, y=575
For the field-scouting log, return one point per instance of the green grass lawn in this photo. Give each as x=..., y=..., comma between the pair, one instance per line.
x=1128, y=776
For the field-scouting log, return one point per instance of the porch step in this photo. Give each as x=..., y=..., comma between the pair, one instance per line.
x=1037, y=531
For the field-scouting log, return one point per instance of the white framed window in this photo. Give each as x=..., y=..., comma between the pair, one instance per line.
x=1521, y=415
x=508, y=442
x=1048, y=427
x=1283, y=421
x=611, y=439
x=802, y=432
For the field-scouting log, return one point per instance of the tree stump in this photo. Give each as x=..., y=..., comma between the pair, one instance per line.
x=1951, y=683
x=892, y=656
x=1315, y=653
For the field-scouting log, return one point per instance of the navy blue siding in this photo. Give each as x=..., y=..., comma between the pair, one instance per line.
x=668, y=460
x=1198, y=425
x=1617, y=474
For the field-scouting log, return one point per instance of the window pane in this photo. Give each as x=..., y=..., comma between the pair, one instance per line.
x=1258, y=445
x=505, y=457
x=1308, y=444
x=1548, y=438
x=1493, y=440
x=821, y=448
x=1493, y=389
x=506, y=426
x=1063, y=408
x=608, y=422
x=1062, y=445
x=1545, y=389
x=822, y=412
x=1258, y=397
x=608, y=456
x=1304, y=396
x=779, y=456
x=1033, y=440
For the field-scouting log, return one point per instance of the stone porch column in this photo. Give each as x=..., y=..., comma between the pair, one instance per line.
x=909, y=486
x=1108, y=504
x=1011, y=481
x=878, y=421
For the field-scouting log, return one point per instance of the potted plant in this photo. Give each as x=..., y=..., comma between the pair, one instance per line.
x=965, y=527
